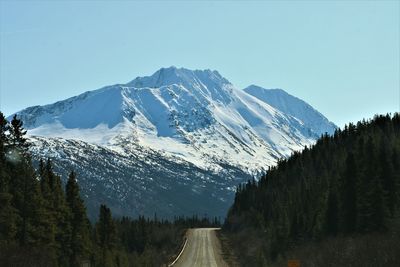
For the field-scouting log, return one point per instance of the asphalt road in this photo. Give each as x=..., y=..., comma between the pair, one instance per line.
x=202, y=249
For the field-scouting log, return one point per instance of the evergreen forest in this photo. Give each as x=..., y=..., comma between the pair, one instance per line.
x=340, y=196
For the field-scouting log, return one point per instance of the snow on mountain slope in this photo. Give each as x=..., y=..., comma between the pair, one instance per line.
x=195, y=115
x=294, y=106
x=140, y=181
x=144, y=146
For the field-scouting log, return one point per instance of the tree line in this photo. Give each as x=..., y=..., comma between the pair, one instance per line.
x=346, y=184
x=44, y=222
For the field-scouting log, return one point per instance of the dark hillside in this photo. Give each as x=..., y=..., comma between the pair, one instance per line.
x=345, y=186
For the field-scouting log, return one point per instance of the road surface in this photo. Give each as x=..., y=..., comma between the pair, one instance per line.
x=202, y=249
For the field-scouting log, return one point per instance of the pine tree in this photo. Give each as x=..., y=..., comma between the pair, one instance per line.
x=367, y=175
x=60, y=214
x=387, y=177
x=396, y=172
x=23, y=185
x=18, y=142
x=8, y=214
x=378, y=216
x=4, y=172
x=3, y=139
x=331, y=216
x=105, y=235
x=22, y=181
x=349, y=195
x=80, y=238
x=44, y=184
x=50, y=222
x=373, y=209
x=27, y=200
x=8, y=220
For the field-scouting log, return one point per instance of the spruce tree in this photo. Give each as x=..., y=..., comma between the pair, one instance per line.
x=349, y=195
x=18, y=142
x=8, y=214
x=387, y=178
x=366, y=185
x=23, y=185
x=8, y=220
x=80, y=238
x=331, y=216
x=395, y=158
x=378, y=216
x=27, y=199
x=44, y=184
x=59, y=211
x=48, y=209
x=3, y=139
x=105, y=235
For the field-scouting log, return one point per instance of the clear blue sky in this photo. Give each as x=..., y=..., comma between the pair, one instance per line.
x=341, y=57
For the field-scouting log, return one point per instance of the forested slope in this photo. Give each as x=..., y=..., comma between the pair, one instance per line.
x=346, y=185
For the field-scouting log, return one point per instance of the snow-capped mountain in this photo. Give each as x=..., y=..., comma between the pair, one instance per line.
x=175, y=130
x=294, y=106
x=139, y=181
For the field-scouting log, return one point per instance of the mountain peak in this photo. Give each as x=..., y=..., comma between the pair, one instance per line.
x=173, y=75
x=293, y=106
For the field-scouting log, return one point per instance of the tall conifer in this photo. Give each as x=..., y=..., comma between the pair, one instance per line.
x=105, y=234
x=80, y=238
x=349, y=194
